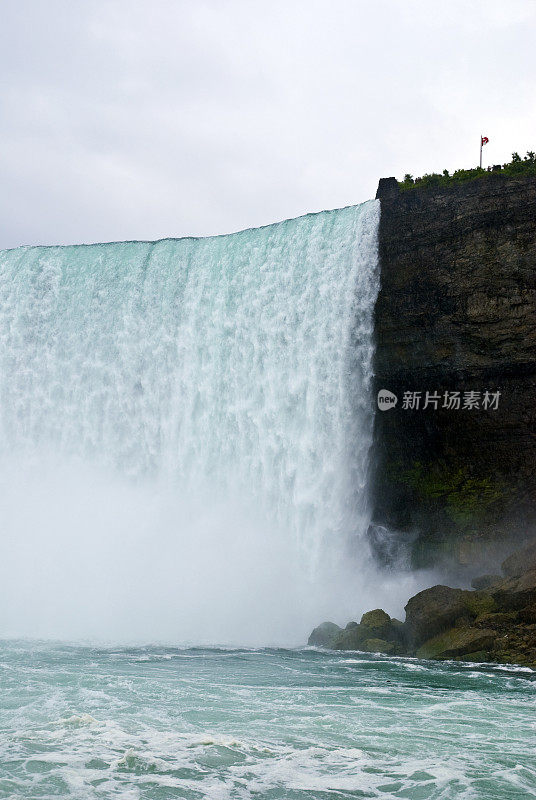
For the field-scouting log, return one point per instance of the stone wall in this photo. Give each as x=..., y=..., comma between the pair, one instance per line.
x=456, y=312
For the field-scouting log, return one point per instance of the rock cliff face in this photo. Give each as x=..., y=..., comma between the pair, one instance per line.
x=456, y=313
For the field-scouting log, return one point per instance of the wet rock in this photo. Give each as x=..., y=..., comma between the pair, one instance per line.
x=441, y=622
x=516, y=593
x=379, y=646
x=431, y=611
x=434, y=610
x=495, y=620
x=520, y=562
x=517, y=645
x=377, y=623
x=324, y=635
x=399, y=630
x=457, y=642
x=485, y=581
x=351, y=638
x=477, y=603
x=478, y=656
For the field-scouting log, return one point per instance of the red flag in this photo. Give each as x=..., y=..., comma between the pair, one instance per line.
x=485, y=140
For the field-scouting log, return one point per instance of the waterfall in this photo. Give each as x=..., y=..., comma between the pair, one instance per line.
x=192, y=416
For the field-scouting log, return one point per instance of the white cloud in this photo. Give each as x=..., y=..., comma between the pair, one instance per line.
x=125, y=119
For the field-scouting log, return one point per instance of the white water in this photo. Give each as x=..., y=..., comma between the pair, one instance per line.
x=156, y=723
x=184, y=430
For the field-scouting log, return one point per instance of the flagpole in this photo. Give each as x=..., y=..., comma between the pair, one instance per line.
x=480, y=151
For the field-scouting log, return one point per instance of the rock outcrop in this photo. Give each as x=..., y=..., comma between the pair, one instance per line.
x=435, y=610
x=495, y=624
x=456, y=312
x=324, y=635
x=376, y=633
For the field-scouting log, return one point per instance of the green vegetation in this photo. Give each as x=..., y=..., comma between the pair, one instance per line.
x=465, y=498
x=517, y=166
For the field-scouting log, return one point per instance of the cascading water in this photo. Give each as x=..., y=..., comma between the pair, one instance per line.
x=184, y=429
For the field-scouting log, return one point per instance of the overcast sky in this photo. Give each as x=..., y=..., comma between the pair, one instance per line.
x=140, y=119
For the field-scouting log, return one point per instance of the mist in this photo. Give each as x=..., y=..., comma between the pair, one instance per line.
x=90, y=556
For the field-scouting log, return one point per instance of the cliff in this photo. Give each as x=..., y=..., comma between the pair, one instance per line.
x=456, y=312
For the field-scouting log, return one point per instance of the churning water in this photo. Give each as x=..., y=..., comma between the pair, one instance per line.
x=162, y=723
x=184, y=431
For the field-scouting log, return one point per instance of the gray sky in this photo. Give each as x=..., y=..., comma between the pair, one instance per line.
x=139, y=119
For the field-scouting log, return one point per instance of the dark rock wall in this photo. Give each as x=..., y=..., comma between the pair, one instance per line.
x=456, y=312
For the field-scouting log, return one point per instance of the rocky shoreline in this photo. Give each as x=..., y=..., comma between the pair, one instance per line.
x=495, y=621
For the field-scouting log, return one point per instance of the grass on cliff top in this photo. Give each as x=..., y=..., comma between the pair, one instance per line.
x=516, y=167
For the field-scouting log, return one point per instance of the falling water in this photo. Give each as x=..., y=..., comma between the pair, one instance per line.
x=184, y=429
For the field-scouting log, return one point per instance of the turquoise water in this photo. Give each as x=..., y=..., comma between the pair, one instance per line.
x=162, y=723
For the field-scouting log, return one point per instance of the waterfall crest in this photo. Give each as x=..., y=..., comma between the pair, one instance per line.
x=225, y=378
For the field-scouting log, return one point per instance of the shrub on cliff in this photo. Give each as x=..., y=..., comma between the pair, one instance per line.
x=517, y=166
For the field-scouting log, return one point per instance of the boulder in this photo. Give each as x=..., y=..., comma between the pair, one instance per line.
x=378, y=624
x=378, y=646
x=520, y=562
x=324, y=635
x=494, y=623
x=375, y=626
x=479, y=602
x=457, y=642
x=434, y=610
x=485, y=581
x=514, y=594
x=478, y=655
x=351, y=638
